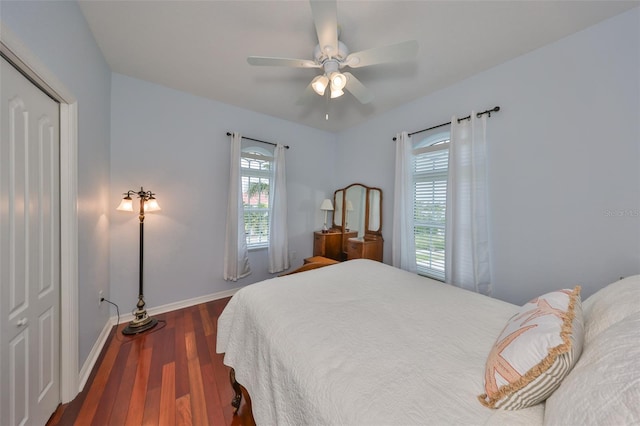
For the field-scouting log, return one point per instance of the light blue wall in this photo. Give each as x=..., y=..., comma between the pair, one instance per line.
x=58, y=35
x=564, y=156
x=175, y=144
x=564, y=152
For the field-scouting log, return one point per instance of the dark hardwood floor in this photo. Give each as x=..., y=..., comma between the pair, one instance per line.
x=170, y=375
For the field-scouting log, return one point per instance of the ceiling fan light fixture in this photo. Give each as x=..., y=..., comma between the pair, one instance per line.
x=319, y=84
x=336, y=93
x=338, y=81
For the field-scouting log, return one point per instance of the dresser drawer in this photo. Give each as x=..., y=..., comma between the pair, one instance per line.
x=358, y=248
x=354, y=249
x=328, y=244
x=318, y=245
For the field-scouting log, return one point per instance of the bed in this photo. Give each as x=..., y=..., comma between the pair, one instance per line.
x=363, y=343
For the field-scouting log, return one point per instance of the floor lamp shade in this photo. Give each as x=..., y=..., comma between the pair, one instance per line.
x=126, y=205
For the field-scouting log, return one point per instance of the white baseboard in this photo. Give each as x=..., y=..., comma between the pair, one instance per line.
x=88, y=365
x=178, y=305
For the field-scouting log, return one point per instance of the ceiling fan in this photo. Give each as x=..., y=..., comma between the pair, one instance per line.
x=332, y=55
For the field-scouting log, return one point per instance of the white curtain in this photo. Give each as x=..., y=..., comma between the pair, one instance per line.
x=467, y=262
x=236, y=255
x=278, y=237
x=403, y=246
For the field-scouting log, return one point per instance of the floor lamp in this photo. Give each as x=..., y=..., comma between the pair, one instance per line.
x=148, y=203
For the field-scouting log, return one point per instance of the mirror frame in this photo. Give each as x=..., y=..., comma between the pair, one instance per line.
x=339, y=199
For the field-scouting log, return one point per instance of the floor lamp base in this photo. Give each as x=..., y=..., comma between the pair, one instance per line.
x=140, y=324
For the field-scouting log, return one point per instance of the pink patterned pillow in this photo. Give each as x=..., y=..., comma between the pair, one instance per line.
x=535, y=351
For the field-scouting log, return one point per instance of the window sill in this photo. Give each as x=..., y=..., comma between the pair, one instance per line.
x=256, y=248
x=433, y=277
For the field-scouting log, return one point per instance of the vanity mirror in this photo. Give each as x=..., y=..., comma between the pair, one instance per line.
x=359, y=208
x=358, y=218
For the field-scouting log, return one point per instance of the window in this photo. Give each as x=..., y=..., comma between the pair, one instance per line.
x=255, y=168
x=431, y=158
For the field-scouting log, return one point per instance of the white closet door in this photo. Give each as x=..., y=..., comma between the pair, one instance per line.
x=29, y=251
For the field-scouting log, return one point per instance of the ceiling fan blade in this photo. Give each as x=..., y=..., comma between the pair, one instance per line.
x=325, y=18
x=281, y=62
x=357, y=89
x=307, y=96
x=378, y=55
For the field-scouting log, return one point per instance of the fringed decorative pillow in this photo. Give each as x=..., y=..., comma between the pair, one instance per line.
x=535, y=351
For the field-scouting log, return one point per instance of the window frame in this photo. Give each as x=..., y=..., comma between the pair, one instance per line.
x=256, y=153
x=436, y=180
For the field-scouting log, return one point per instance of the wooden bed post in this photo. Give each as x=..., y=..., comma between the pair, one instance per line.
x=235, y=402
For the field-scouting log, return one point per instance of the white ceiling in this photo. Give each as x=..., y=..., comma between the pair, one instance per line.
x=201, y=47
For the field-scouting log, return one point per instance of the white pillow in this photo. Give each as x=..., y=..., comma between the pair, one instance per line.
x=534, y=352
x=610, y=305
x=604, y=386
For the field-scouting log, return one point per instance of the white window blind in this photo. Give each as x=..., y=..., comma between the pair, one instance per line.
x=430, y=200
x=256, y=174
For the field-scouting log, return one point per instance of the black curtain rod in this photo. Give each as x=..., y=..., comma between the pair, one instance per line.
x=489, y=111
x=258, y=140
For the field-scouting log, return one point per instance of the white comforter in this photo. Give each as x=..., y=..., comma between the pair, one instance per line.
x=363, y=343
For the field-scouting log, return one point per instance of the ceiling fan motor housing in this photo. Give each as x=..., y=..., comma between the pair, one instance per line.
x=323, y=55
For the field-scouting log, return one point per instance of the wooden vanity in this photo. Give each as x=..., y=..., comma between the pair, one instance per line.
x=357, y=226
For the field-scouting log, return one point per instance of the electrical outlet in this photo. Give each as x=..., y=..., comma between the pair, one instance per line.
x=100, y=298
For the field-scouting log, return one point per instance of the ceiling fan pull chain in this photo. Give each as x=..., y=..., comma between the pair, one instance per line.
x=326, y=106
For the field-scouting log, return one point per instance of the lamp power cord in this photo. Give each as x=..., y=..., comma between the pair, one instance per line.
x=164, y=324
